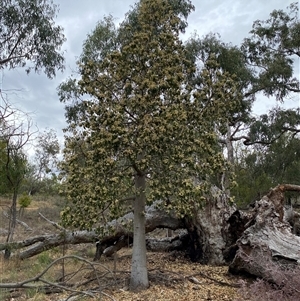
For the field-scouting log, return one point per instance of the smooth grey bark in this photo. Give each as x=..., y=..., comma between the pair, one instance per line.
x=139, y=273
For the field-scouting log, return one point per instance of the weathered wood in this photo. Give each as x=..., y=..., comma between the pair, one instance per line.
x=267, y=238
x=122, y=227
x=216, y=234
x=209, y=232
x=168, y=244
x=209, y=229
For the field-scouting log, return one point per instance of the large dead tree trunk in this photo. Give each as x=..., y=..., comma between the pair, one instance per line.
x=209, y=229
x=268, y=237
x=208, y=233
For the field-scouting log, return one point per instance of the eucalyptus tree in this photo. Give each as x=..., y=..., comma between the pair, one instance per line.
x=28, y=36
x=43, y=169
x=272, y=50
x=146, y=133
x=264, y=64
x=231, y=60
x=263, y=166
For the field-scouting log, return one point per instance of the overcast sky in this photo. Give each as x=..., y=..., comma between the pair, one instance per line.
x=37, y=94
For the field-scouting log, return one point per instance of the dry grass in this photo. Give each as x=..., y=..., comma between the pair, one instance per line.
x=50, y=207
x=171, y=277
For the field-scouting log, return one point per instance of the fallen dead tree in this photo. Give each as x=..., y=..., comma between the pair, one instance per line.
x=218, y=233
x=120, y=230
x=207, y=233
x=267, y=237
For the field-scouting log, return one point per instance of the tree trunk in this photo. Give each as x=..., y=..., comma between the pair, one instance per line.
x=139, y=273
x=225, y=181
x=209, y=229
x=12, y=223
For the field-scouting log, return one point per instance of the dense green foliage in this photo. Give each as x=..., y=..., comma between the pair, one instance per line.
x=24, y=200
x=262, y=167
x=145, y=118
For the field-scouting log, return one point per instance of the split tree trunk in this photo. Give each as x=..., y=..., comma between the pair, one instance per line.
x=209, y=229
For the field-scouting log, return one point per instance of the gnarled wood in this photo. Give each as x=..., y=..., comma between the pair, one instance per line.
x=268, y=237
x=209, y=229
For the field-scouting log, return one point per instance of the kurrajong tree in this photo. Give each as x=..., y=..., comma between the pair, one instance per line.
x=28, y=34
x=147, y=133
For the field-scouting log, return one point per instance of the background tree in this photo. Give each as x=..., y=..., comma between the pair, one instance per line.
x=42, y=174
x=264, y=63
x=15, y=133
x=263, y=166
x=147, y=134
x=28, y=34
x=272, y=50
x=232, y=60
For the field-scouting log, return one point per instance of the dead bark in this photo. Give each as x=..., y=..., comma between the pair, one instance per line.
x=168, y=244
x=209, y=229
x=121, y=231
x=209, y=233
x=268, y=237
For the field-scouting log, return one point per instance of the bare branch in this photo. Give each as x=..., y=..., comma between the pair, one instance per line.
x=39, y=278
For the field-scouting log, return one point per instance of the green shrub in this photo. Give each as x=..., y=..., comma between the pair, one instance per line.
x=24, y=200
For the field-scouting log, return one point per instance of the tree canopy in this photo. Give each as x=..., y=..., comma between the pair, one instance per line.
x=272, y=49
x=29, y=37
